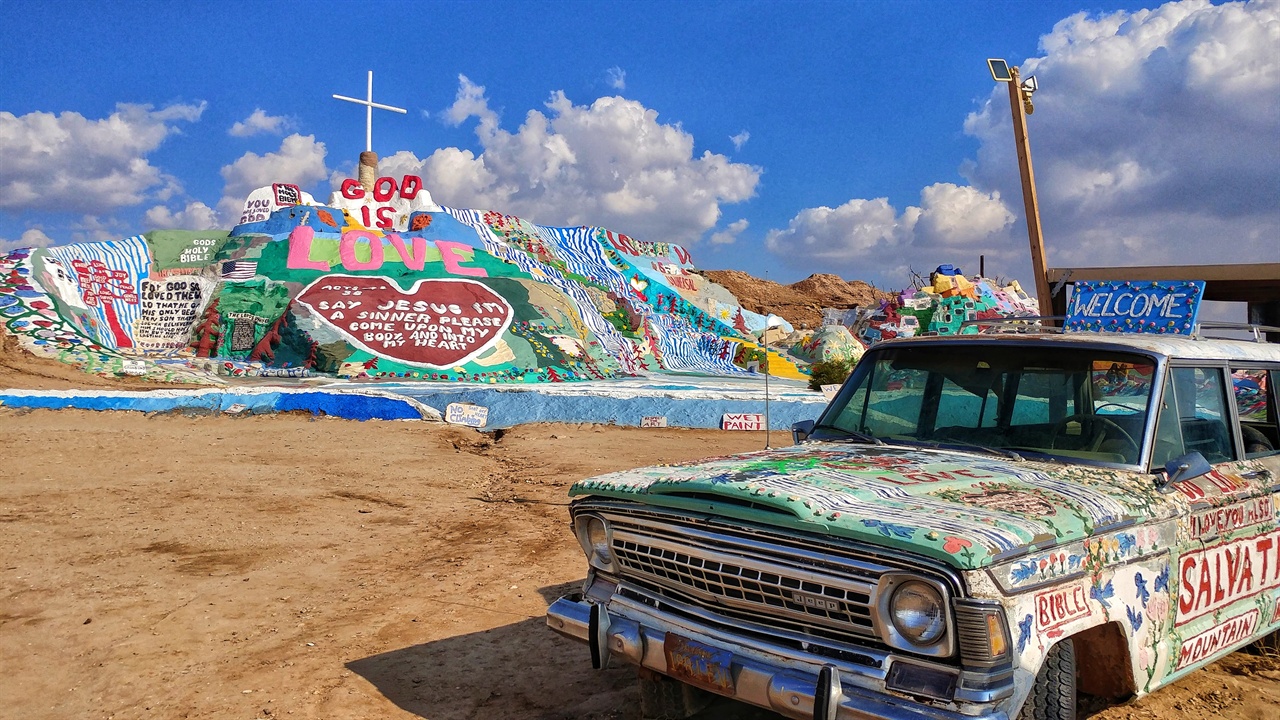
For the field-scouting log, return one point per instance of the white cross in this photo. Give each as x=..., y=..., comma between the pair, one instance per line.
x=368, y=116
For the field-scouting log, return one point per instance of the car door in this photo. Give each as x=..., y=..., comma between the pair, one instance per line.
x=1228, y=566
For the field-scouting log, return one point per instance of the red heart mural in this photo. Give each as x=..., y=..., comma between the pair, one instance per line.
x=437, y=323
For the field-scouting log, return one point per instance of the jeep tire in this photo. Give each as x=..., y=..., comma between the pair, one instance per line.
x=662, y=698
x=1053, y=695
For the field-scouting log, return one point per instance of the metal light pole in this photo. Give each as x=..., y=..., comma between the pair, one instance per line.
x=766, y=397
x=1020, y=104
x=771, y=322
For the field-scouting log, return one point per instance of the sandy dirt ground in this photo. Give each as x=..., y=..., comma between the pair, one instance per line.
x=284, y=566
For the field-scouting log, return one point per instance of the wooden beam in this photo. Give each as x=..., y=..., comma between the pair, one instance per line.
x=1254, y=283
x=1232, y=272
x=1030, y=203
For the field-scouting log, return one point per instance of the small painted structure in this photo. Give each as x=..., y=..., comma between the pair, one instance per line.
x=938, y=309
x=828, y=343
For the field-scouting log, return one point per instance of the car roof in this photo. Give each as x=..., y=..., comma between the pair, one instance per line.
x=1170, y=346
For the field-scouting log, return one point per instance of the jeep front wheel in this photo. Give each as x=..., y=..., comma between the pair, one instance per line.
x=1053, y=696
x=664, y=698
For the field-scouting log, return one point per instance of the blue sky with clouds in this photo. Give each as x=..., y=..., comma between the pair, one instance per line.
x=787, y=138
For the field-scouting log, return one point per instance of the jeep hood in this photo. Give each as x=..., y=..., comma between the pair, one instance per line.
x=965, y=509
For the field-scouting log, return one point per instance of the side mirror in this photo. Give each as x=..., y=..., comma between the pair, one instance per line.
x=800, y=431
x=1185, y=467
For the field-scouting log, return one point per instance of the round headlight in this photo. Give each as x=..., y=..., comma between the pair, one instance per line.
x=918, y=613
x=595, y=540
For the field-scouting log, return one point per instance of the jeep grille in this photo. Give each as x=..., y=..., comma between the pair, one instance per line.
x=749, y=574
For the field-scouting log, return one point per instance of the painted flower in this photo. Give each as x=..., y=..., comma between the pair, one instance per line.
x=1158, y=608
x=953, y=544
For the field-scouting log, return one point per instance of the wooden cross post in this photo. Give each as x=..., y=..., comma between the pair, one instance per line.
x=368, y=158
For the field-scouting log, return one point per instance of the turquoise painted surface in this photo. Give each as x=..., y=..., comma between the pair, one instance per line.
x=964, y=509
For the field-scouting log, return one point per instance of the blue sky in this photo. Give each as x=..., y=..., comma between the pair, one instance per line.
x=786, y=138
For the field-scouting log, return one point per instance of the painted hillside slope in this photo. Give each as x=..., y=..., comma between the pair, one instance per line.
x=434, y=294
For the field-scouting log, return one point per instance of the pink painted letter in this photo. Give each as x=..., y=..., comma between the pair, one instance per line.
x=300, y=250
x=347, y=250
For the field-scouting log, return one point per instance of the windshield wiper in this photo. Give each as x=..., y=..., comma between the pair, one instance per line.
x=851, y=433
x=985, y=448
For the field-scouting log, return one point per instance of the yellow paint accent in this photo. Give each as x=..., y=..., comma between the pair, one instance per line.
x=779, y=365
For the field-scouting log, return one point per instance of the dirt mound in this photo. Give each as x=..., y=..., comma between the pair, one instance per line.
x=835, y=292
x=20, y=370
x=800, y=303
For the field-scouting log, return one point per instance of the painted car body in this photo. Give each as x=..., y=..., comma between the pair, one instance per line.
x=765, y=575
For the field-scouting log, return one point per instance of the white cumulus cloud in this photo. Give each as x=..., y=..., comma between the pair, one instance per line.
x=1155, y=140
x=958, y=216
x=260, y=122
x=730, y=234
x=195, y=216
x=30, y=238
x=299, y=161
x=610, y=163
x=94, y=228
x=871, y=240
x=1156, y=136
x=70, y=163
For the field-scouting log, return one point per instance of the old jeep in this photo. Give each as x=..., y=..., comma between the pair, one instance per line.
x=977, y=526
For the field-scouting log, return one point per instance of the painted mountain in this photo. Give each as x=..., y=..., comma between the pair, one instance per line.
x=378, y=283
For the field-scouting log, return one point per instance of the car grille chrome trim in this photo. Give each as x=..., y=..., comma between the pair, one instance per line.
x=747, y=583
x=768, y=633
x=744, y=573
x=973, y=633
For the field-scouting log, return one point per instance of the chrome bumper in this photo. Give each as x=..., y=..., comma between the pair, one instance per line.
x=787, y=687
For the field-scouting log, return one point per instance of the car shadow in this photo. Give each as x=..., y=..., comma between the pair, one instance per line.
x=521, y=671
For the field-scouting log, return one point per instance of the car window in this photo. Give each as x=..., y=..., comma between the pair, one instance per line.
x=960, y=408
x=1120, y=388
x=1255, y=408
x=895, y=407
x=1193, y=417
x=1079, y=404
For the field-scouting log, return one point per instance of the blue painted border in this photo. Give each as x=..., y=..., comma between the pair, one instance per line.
x=352, y=406
x=507, y=408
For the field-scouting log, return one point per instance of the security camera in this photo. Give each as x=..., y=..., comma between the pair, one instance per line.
x=1029, y=85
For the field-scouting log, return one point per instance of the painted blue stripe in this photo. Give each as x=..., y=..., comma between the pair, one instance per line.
x=507, y=407
x=351, y=406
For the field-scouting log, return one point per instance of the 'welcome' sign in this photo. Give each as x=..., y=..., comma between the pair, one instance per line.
x=1148, y=307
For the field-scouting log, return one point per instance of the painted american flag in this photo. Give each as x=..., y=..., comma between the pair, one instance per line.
x=239, y=270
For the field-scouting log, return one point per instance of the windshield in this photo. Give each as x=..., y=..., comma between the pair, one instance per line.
x=1071, y=403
